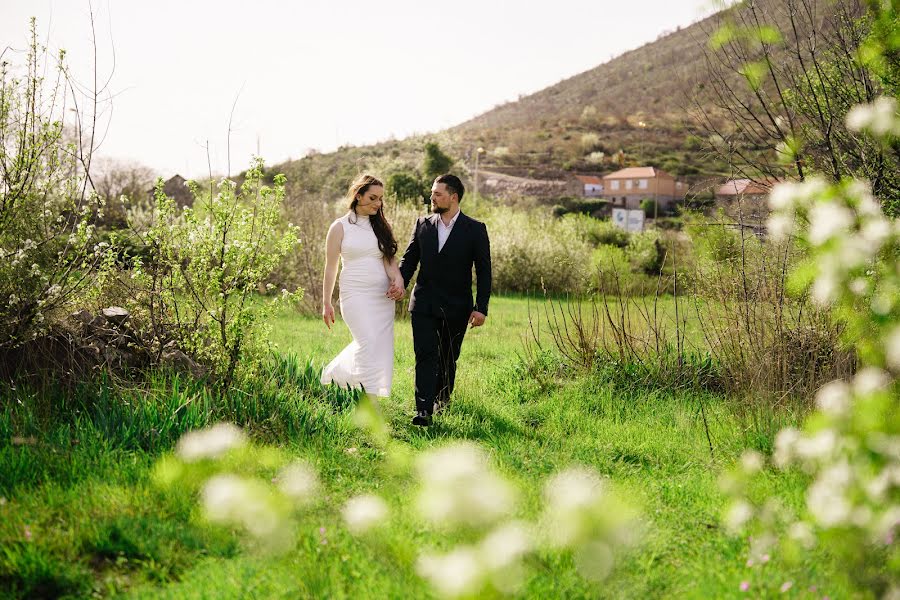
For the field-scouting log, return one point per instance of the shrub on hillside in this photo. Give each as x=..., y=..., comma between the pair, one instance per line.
x=405, y=186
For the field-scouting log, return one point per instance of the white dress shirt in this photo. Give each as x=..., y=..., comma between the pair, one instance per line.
x=444, y=230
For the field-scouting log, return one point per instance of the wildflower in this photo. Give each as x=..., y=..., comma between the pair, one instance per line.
x=826, y=220
x=802, y=533
x=745, y=585
x=781, y=226
x=209, y=443
x=825, y=288
x=870, y=380
x=751, y=461
x=362, y=513
x=455, y=574
x=594, y=560
x=816, y=446
x=231, y=499
x=786, y=586
x=458, y=486
x=299, y=481
x=826, y=497
x=738, y=515
x=834, y=397
x=505, y=545
x=27, y=532
x=879, y=117
x=784, y=446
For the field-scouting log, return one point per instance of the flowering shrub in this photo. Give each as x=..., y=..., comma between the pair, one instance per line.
x=851, y=446
x=48, y=247
x=205, y=265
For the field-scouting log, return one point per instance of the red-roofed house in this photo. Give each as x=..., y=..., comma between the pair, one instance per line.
x=627, y=187
x=591, y=186
x=746, y=200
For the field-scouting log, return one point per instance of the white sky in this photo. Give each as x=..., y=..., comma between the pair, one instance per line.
x=319, y=74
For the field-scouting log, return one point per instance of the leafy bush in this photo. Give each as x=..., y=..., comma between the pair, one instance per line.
x=531, y=252
x=405, y=186
x=435, y=162
x=207, y=263
x=645, y=252
x=49, y=251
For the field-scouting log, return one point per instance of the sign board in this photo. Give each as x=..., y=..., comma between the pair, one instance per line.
x=629, y=220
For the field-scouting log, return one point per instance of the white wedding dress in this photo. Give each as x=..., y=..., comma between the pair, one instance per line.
x=368, y=360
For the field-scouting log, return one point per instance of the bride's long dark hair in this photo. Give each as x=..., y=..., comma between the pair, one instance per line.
x=383, y=232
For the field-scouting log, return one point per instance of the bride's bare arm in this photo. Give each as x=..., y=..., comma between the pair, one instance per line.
x=332, y=254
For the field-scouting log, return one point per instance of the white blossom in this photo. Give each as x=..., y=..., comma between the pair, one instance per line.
x=803, y=534
x=458, y=487
x=751, y=461
x=299, y=481
x=785, y=442
x=879, y=117
x=455, y=574
x=870, y=380
x=362, y=513
x=834, y=397
x=209, y=443
x=594, y=560
x=505, y=545
x=826, y=498
x=826, y=220
x=232, y=499
x=824, y=289
x=781, y=226
x=738, y=515
x=817, y=446
x=573, y=489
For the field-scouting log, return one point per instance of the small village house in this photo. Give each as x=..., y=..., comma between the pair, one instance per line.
x=626, y=188
x=745, y=200
x=589, y=186
x=174, y=188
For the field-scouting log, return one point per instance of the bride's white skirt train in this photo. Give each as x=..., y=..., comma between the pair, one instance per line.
x=368, y=361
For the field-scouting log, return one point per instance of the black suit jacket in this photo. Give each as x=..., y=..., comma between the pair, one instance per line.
x=444, y=284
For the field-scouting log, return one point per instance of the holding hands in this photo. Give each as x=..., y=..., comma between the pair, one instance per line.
x=397, y=289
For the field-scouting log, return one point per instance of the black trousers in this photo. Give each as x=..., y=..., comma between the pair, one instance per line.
x=436, y=342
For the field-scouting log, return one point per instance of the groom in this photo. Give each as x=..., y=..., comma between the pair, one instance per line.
x=444, y=245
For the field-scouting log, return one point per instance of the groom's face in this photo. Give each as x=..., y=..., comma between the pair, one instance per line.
x=441, y=199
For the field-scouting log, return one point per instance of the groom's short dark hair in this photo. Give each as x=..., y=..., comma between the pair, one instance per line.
x=454, y=185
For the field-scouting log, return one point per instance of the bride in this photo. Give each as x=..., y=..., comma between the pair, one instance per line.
x=370, y=284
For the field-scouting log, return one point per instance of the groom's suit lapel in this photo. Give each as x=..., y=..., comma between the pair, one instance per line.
x=431, y=236
x=456, y=231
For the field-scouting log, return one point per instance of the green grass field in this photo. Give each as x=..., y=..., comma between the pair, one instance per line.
x=81, y=517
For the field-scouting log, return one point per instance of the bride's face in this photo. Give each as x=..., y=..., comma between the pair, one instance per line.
x=369, y=202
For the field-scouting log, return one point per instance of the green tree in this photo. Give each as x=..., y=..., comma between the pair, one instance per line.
x=435, y=162
x=405, y=186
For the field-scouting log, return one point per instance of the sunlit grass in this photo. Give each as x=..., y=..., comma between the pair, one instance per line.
x=81, y=513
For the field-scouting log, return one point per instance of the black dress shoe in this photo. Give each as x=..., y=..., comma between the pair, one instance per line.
x=422, y=418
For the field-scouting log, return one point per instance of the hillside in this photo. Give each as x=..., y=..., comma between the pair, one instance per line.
x=632, y=110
